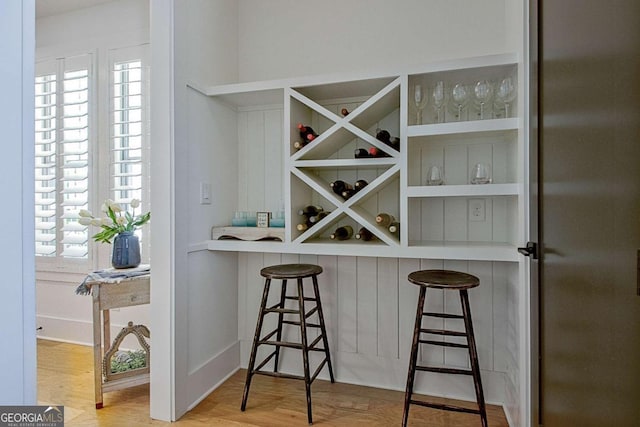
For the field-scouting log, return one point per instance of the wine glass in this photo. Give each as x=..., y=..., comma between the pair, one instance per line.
x=435, y=176
x=438, y=97
x=459, y=98
x=506, y=93
x=420, y=101
x=483, y=90
x=481, y=174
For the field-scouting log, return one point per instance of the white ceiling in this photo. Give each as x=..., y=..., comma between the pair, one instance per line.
x=53, y=7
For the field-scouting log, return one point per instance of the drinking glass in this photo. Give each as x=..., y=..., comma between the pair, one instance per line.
x=483, y=90
x=435, y=176
x=420, y=101
x=438, y=97
x=506, y=93
x=459, y=98
x=239, y=219
x=481, y=174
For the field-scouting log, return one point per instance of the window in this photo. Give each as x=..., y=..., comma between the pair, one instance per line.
x=88, y=149
x=62, y=159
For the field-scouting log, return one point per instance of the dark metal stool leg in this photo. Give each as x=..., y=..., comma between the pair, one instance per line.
x=473, y=355
x=283, y=294
x=254, y=348
x=305, y=350
x=323, y=330
x=413, y=358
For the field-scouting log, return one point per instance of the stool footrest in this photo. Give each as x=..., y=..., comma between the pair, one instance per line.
x=309, y=325
x=310, y=312
x=445, y=406
x=444, y=343
x=443, y=332
x=276, y=309
x=279, y=375
x=443, y=315
x=297, y=298
x=281, y=343
x=442, y=370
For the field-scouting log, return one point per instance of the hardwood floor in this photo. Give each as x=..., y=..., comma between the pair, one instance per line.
x=65, y=377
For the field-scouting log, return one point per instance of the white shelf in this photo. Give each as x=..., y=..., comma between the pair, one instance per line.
x=464, y=127
x=464, y=190
x=476, y=251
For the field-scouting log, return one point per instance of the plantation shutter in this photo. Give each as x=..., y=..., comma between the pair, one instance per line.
x=62, y=140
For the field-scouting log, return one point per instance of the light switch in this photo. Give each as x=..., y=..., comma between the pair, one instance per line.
x=205, y=193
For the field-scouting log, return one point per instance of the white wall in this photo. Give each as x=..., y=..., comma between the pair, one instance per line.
x=204, y=286
x=17, y=306
x=61, y=313
x=284, y=38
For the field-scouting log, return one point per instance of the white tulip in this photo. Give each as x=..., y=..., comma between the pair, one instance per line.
x=115, y=207
x=105, y=206
x=85, y=221
x=120, y=220
x=135, y=203
x=105, y=221
x=85, y=213
x=96, y=222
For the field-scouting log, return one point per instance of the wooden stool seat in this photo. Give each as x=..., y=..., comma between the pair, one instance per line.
x=444, y=280
x=290, y=271
x=300, y=318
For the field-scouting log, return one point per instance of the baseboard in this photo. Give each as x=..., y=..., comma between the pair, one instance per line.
x=215, y=371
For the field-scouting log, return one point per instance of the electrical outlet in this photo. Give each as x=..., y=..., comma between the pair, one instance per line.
x=477, y=210
x=205, y=193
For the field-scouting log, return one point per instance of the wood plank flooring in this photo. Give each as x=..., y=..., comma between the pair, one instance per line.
x=65, y=377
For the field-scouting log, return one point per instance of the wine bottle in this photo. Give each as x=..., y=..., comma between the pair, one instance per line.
x=385, y=136
x=364, y=235
x=384, y=219
x=310, y=210
x=344, y=112
x=394, y=228
x=360, y=184
x=342, y=233
x=361, y=153
x=299, y=144
x=338, y=186
x=347, y=193
x=376, y=152
x=303, y=226
x=306, y=132
x=318, y=217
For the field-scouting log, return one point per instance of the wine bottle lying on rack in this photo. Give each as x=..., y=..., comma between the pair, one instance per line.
x=384, y=220
x=310, y=210
x=342, y=233
x=361, y=153
x=338, y=186
x=365, y=235
x=384, y=136
x=348, y=193
x=344, y=112
x=394, y=228
x=299, y=144
x=306, y=133
x=360, y=184
x=376, y=152
x=318, y=217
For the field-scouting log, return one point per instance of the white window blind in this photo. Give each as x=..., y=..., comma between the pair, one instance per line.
x=62, y=157
x=127, y=137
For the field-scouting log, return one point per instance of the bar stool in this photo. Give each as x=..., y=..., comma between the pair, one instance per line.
x=284, y=272
x=447, y=280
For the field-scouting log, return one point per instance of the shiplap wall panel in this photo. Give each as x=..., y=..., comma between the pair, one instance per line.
x=387, y=308
x=347, y=305
x=366, y=305
x=273, y=161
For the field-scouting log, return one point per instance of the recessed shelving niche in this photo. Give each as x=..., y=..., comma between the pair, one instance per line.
x=435, y=221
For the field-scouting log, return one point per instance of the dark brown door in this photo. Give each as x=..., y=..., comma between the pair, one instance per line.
x=589, y=212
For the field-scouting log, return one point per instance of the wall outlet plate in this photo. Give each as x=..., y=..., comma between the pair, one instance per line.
x=477, y=210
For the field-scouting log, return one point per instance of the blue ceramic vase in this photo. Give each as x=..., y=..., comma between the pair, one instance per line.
x=126, y=250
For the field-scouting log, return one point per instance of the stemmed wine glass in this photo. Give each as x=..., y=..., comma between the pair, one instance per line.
x=483, y=90
x=459, y=98
x=506, y=93
x=420, y=101
x=438, y=97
